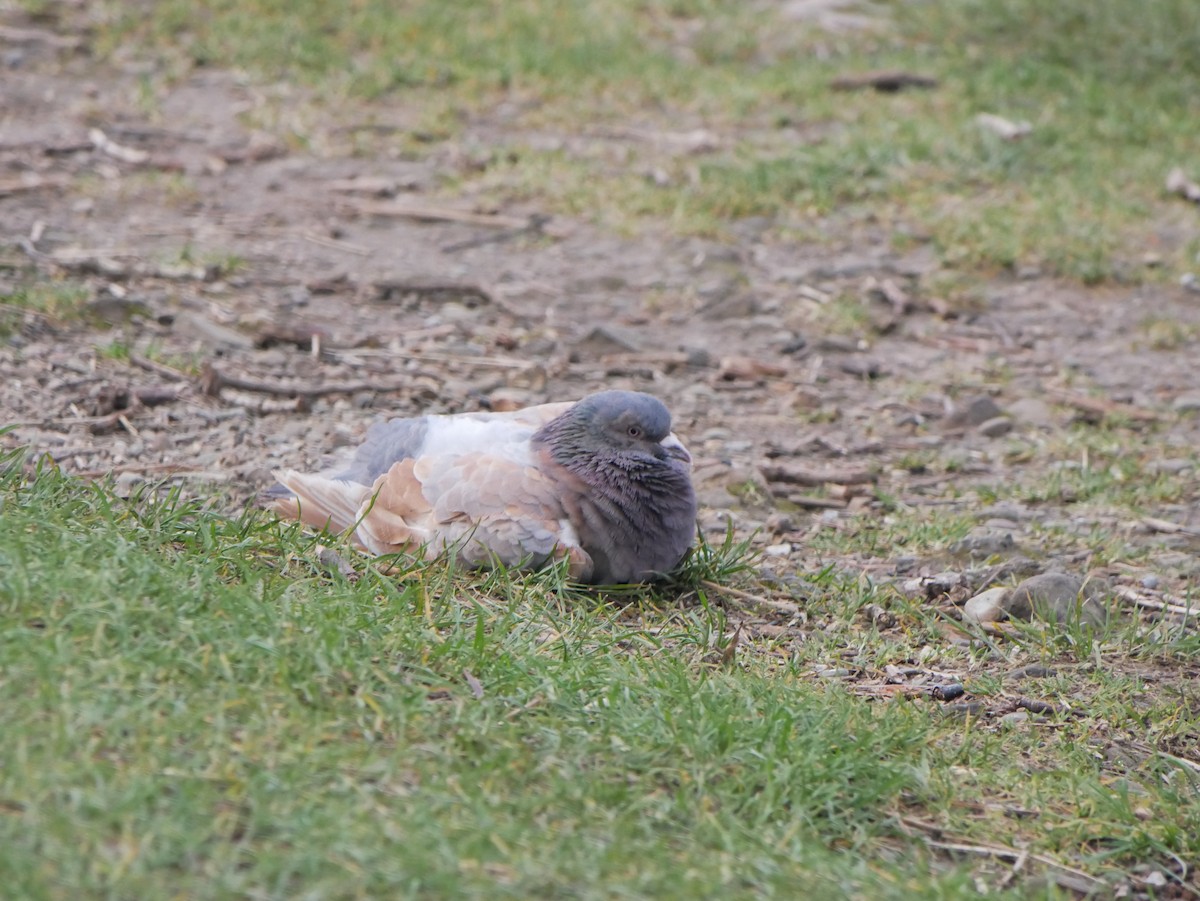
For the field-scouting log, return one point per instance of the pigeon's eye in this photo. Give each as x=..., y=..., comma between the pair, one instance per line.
x=635, y=431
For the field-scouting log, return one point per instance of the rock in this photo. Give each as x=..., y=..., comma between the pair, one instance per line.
x=1032, y=411
x=777, y=523
x=986, y=607
x=1186, y=403
x=831, y=672
x=212, y=334
x=975, y=411
x=1055, y=597
x=880, y=616
x=1005, y=510
x=777, y=550
x=111, y=310
x=126, y=482
x=1173, y=466
x=1016, y=718
x=996, y=427
x=984, y=543
x=941, y=583
x=863, y=367
x=606, y=339
x=736, y=306
x=1150, y=581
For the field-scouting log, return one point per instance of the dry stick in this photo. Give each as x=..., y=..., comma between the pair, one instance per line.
x=37, y=36
x=1138, y=600
x=1002, y=853
x=1105, y=407
x=1165, y=525
x=212, y=381
x=787, y=606
x=439, y=214
x=997, y=851
x=13, y=308
x=17, y=185
x=167, y=372
x=795, y=475
x=334, y=244
x=167, y=468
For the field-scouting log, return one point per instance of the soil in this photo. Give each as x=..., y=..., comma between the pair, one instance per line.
x=252, y=302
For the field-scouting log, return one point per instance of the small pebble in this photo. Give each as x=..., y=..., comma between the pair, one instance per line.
x=996, y=427
x=1151, y=581
x=1015, y=718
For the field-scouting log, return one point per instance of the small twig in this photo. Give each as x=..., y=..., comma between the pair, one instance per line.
x=796, y=475
x=532, y=227
x=35, y=183
x=1100, y=407
x=1138, y=600
x=13, y=308
x=128, y=426
x=108, y=146
x=1165, y=525
x=155, y=468
x=1017, y=866
x=1002, y=853
x=786, y=606
x=167, y=372
x=334, y=244
x=438, y=214
x=212, y=381
x=37, y=36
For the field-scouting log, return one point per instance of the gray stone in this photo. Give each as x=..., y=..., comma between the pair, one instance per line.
x=984, y=543
x=778, y=523
x=1173, y=466
x=1005, y=510
x=975, y=411
x=1058, y=598
x=607, y=339
x=1186, y=403
x=209, y=333
x=1032, y=411
x=986, y=607
x=996, y=427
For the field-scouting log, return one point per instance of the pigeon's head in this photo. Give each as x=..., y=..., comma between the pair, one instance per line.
x=629, y=422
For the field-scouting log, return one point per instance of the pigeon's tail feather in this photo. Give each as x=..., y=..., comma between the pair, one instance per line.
x=389, y=521
x=320, y=502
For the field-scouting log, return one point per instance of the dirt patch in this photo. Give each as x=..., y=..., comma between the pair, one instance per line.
x=246, y=304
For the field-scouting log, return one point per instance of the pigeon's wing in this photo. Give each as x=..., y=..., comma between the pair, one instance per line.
x=468, y=484
x=400, y=439
x=483, y=507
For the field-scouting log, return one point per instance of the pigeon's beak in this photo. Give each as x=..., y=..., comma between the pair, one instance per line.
x=675, y=449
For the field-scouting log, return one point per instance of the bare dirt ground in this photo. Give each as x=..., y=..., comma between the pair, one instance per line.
x=251, y=303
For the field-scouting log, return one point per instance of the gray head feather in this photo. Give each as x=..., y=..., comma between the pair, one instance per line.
x=638, y=516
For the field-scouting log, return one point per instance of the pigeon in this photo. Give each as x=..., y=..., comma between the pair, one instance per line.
x=602, y=482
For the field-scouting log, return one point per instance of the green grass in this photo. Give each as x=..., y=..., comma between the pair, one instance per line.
x=1109, y=86
x=195, y=705
x=56, y=301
